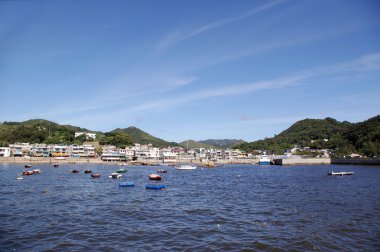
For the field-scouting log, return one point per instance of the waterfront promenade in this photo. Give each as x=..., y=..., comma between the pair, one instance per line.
x=50, y=160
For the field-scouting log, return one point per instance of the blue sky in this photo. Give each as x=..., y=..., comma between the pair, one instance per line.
x=181, y=69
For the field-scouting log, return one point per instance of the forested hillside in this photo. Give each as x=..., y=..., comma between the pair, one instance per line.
x=342, y=137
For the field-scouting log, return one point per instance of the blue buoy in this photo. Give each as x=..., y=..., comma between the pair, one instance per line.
x=125, y=184
x=155, y=187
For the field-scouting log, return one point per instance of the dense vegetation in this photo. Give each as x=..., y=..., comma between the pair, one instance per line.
x=118, y=139
x=142, y=137
x=211, y=143
x=191, y=144
x=342, y=137
x=222, y=143
x=39, y=131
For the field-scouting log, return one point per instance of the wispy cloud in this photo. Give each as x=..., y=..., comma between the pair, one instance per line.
x=180, y=35
x=363, y=64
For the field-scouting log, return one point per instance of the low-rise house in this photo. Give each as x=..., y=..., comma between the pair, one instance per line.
x=5, y=152
x=60, y=151
x=20, y=149
x=112, y=153
x=89, y=150
x=167, y=156
x=41, y=150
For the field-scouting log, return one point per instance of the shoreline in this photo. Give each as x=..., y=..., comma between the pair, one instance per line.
x=205, y=163
x=50, y=160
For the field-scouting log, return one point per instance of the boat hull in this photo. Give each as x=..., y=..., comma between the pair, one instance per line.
x=264, y=162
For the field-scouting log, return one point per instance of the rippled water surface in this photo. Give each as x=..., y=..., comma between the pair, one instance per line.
x=230, y=208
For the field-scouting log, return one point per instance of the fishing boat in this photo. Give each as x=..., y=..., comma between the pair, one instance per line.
x=115, y=175
x=122, y=170
x=154, y=176
x=185, y=167
x=264, y=160
x=95, y=175
x=340, y=173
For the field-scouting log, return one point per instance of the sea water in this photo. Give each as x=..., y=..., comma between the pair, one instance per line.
x=229, y=208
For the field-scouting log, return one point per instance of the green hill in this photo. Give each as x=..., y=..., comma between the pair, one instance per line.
x=342, y=137
x=37, y=131
x=142, y=137
x=191, y=144
x=222, y=143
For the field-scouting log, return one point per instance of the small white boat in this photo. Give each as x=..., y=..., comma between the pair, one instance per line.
x=340, y=173
x=185, y=167
x=115, y=175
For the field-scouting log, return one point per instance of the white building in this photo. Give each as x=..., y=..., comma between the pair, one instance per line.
x=89, y=136
x=5, y=152
x=168, y=156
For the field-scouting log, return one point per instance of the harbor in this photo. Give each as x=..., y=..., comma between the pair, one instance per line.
x=230, y=208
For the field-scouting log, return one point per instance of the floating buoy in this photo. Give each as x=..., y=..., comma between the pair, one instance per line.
x=126, y=184
x=155, y=187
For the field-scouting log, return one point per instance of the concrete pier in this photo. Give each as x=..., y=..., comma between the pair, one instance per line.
x=302, y=161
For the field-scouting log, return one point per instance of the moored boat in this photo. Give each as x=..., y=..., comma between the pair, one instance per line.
x=74, y=171
x=154, y=176
x=340, y=173
x=87, y=171
x=27, y=173
x=122, y=170
x=185, y=167
x=161, y=171
x=115, y=175
x=28, y=166
x=55, y=165
x=96, y=175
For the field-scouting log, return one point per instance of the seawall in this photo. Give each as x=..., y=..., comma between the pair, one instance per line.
x=326, y=161
x=302, y=161
x=355, y=161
